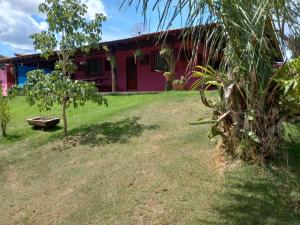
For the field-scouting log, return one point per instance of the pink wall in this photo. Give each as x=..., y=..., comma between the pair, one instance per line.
x=81, y=73
x=147, y=80
x=3, y=80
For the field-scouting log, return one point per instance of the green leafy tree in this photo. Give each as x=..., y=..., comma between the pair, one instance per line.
x=68, y=32
x=294, y=45
x=45, y=90
x=250, y=36
x=5, y=115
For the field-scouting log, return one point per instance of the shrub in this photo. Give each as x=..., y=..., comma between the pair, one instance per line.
x=4, y=114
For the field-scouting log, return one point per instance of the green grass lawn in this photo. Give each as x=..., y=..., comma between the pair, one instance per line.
x=138, y=161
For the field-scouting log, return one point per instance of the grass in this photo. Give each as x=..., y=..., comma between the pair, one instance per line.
x=138, y=161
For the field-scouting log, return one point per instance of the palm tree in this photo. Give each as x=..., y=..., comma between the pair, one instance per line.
x=251, y=36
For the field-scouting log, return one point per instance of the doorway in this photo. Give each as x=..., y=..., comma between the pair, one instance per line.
x=131, y=73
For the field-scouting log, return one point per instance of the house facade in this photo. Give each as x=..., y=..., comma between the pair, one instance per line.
x=6, y=79
x=142, y=74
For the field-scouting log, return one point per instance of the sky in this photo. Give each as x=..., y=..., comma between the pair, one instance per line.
x=20, y=18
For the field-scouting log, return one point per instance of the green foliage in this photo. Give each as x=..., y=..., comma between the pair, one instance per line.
x=294, y=45
x=45, y=90
x=178, y=84
x=176, y=81
x=5, y=116
x=248, y=36
x=68, y=31
x=66, y=19
x=288, y=81
x=168, y=55
x=138, y=54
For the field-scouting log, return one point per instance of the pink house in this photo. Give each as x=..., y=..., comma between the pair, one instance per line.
x=131, y=75
x=6, y=79
x=137, y=75
x=3, y=81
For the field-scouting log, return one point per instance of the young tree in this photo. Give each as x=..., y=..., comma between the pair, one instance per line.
x=68, y=32
x=5, y=108
x=4, y=112
x=45, y=90
x=249, y=113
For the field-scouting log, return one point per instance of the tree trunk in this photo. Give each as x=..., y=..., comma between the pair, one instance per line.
x=3, y=128
x=64, y=108
x=113, y=72
x=113, y=79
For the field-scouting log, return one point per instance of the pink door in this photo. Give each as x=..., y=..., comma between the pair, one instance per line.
x=3, y=80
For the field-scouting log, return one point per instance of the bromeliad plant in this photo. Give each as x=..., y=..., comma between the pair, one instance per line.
x=250, y=36
x=178, y=85
x=251, y=132
x=138, y=54
x=168, y=55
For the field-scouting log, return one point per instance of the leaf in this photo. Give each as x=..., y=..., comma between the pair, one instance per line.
x=228, y=91
x=203, y=120
x=223, y=116
x=215, y=131
x=252, y=135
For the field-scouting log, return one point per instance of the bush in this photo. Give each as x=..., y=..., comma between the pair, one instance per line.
x=4, y=114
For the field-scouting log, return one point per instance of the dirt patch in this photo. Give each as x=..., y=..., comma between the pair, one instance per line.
x=149, y=212
x=158, y=137
x=3, y=153
x=222, y=164
x=12, y=178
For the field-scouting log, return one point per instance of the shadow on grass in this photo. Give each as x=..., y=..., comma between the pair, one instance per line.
x=259, y=200
x=253, y=195
x=130, y=94
x=50, y=130
x=109, y=132
x=12, y=137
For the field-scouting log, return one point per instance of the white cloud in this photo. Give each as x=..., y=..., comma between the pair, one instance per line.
x=43, y=25
x=94, y=6
x=18, y=21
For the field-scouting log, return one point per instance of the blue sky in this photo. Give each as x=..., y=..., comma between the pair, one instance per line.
x=20, y=18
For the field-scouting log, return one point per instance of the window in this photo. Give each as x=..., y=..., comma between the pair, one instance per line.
x=186, y=55
x=159, y=63
x=145, y=61
x=107, y=65
x=94, y=67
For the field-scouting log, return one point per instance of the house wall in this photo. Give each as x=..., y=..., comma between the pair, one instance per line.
x=22, y=71
x=3, y=81
x=147, y=80
x=10, y=77
x=81, y=73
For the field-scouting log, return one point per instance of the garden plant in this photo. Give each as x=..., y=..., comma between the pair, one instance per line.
x=69, y=32
x=253, y=102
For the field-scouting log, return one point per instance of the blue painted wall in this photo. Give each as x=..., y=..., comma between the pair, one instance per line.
x=23, y=70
